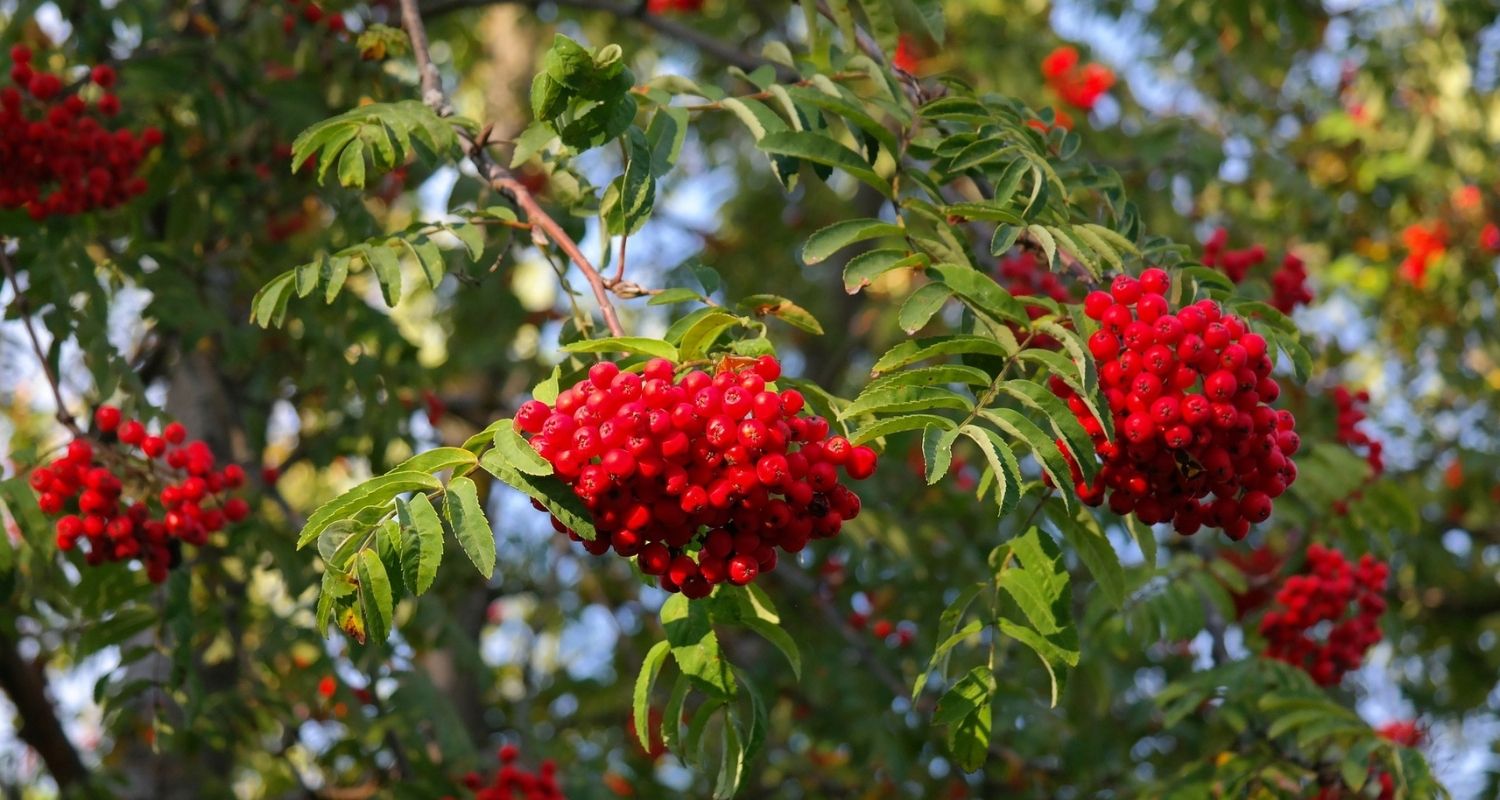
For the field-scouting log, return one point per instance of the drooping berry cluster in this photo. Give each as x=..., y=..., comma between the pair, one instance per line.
x=312, y=14
x=1351, y=412
x=57, y=156
x=511, y=782
x=680, y=6
x=1189, y=392
x=1077, y=86
x=1234, y=263
x=1425, y=243
x=133, y=495
x=721, y=467
x=1329, y=590
x=1289, y=285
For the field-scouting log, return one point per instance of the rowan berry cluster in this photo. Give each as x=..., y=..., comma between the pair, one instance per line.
x=1405, y=732
x=133, y=495
x=1425, y=243
x=681, y=6
x=907, y=58
x=1077, y=86
x=57, y=156
x=1189, y=392
x=1234, y=263
x=1351, y=412
x=1289, y=285
x=511, y=782
x=1333, y=595
x=1489, y=237
x=312, y=14
x=719, y=466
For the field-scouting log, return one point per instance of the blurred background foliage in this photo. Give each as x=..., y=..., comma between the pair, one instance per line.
x=1327, y=129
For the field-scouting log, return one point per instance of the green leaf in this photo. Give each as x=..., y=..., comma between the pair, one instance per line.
x=820, y=149
x=866, y=267
x=762, y=121
x=1044, y=240
x=891, y=425
x=937, y=450
x=668, y=297
x=698, y=339
x=966, y=712
x=519, y=453
x=466, y=520
x=557, y=496
x=628, y=204
x=641, y=701
x=920, y=307
x=352, y=165
x=827, y=241
x=472, y=237
x=671, y=717
x=762, y=305
x=421, y=543
x=913, y=350
x=695, y=648
x=1042, y=446
x=268, y=307
x=778, y=636
x=375, y=595
x=981, y=292
x=387, y=267
x=437, y=460
x=1002, y=463
x=905, y=398
x=1082, y=530
x=1039, y=587
x=338, y=543
x=1063, y=422
x=370, y=494
x=732, y=761
x=939, y=375
x=638, y=345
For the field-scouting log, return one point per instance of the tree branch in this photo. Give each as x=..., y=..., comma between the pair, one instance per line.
x=36, y=343
x=708, y=45
x=544, y=227
x=27, y=687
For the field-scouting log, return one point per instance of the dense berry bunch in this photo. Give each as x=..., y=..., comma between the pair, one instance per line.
x=1330, y=590
x=1489, y=237
x=57, y=156
x=511, y=782
x=719, y=466
x=1425, y=243
x=664, y=6
x=1234, y=263
x=1189, y=393
x=1289, y=285
x=1077, y=86
x=132, y=495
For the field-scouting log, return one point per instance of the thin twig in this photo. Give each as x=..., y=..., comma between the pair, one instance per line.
x=544, y=227
x=36, y=343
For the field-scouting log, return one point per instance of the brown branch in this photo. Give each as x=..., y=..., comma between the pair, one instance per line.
x=36, y=343
x=544, y=227
x=708, y=45
x=27, y=687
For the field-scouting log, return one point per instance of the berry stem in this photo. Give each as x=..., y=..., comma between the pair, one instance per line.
x=36, y=343
x=544, y=227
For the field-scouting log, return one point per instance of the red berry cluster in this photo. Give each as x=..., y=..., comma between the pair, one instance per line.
x=138, y=496
x=1077, y=86
x=56, y=155
x=1405, y=732
x=1351, y=413
x=1189, y=392
x=907, y=58
x=1234, y=263
x=681, y=6
x=511, y=782
x=1489, y=237
x=657, y=461
x=1289, y=285
x=1329, y=590
x=1425, y=242
x=312, y=14
x=882, y=629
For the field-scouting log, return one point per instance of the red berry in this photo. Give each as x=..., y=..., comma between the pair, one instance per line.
x=106, y=418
